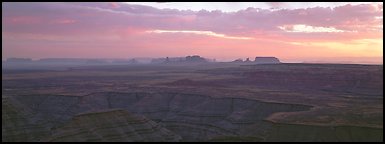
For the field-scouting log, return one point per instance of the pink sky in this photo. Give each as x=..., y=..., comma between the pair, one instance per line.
x=350, y=32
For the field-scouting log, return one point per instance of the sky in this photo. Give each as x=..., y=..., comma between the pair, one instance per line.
x=293, y=32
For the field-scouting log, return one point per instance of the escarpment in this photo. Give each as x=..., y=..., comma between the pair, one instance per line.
x=141, y=116
x=112, y=125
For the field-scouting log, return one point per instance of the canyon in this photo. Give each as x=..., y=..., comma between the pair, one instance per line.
x=208, y=102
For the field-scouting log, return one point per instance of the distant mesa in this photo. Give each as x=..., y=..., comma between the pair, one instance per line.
x=259, y=60
x=191, y=59
x=133, y=61
x=238, y=60
x=19, y=60
x=266, y=60
x=195, y=58
x=187, y=59
x=72, y=60
x=168, y=60
x=96, y=61
x=124, y=61
x=63, y=60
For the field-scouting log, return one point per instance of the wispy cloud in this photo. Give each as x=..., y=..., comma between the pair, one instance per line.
x=138, y=29
x=308, y=29
x=208, y=33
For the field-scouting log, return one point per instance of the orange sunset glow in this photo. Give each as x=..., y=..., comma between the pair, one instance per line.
x=300, y=32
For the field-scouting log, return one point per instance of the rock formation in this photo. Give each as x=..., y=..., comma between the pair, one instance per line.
x=174, y=117
x=238, y=60
x=19, y=124
x=187, y=59
x=266, y=60
x=195, y=58
x=112, y=126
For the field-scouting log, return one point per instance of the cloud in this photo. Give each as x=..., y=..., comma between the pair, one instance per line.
x=308, y=29
x=87, y=17
x=130, y=26
x=208, y=33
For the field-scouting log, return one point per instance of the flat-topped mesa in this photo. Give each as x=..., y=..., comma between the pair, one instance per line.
x=187, y=59
x=238, y=60
x=195, y=58
x=266, y=60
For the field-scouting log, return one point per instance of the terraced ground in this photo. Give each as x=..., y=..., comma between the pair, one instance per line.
x=210, y=102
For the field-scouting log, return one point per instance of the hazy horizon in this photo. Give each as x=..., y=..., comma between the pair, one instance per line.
x=292, y=32
x=346, y=60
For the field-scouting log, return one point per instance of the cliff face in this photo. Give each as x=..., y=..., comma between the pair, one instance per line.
x=266, y=60
x=112, y=125
x=192, y=117
x=20, y=124
x=162, y=117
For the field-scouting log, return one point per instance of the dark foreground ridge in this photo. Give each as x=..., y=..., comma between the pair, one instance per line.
x=175, y=117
